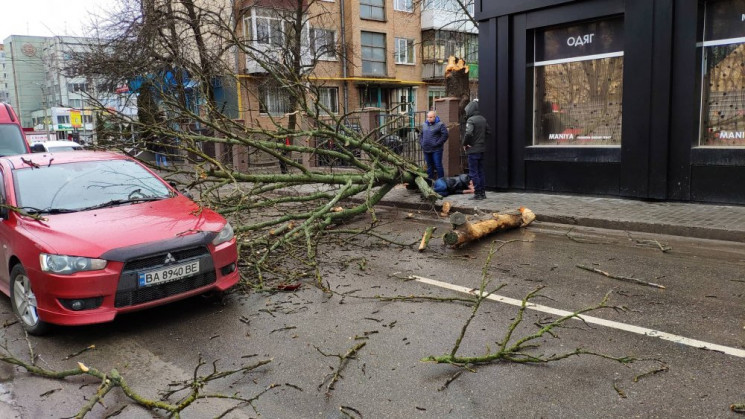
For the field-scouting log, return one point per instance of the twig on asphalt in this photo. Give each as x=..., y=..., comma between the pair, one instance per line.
x=621, y=278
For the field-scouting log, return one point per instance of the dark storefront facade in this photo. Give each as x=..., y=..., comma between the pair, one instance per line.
x=634, y=98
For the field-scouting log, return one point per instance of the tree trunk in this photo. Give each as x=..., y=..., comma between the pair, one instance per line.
x=468, y=231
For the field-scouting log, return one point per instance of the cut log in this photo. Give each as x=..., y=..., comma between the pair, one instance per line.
x=445, y=209
x=426, y=237
x=469, y=231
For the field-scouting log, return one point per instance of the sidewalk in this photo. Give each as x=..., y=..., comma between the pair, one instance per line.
x=705, y=221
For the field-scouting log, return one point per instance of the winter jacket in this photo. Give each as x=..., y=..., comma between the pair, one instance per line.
x=433, y=136
x=451, y=185
x=476, y=130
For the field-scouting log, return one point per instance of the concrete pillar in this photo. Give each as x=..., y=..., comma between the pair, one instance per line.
x=447, y=110
x=240, y=158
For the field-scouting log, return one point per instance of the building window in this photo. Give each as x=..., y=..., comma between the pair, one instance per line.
x=264, y=26
x=723, y=81
x=328, y=97
x=404, y=51
x=578, y=84
x=372, y=9
x=76, y=87
x=434, y=93
x=76, y=103
x=273, y=100
x=373, y=54
x=323, y=43
x=403, y=5
x=404, y=100
x=63, y=119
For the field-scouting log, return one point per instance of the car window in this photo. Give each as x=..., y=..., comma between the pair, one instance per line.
x=11, y=140
x=77, y=185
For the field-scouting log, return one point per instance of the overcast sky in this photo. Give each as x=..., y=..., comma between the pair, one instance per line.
x=48, y=17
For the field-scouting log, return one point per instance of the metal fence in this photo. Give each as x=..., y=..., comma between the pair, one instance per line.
x=400, y=133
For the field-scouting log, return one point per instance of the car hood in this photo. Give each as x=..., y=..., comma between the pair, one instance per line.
x=92, y=233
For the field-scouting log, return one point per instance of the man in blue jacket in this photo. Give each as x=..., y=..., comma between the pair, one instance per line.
x=432, y=138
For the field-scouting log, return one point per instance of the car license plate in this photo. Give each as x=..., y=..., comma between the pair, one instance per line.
x=168, y=274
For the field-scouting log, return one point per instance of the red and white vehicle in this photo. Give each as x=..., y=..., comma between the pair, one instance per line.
x=12, y=140
x=88, y=235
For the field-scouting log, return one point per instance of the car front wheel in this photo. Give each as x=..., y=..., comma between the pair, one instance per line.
x=23, y=300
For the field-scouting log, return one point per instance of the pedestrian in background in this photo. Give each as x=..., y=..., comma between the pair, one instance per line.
x=432, y=139
x=477, y=129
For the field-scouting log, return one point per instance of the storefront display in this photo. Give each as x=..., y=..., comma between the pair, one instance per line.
x=578, y=84
x=723, y=80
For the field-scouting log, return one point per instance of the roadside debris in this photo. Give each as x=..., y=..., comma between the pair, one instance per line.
x=426, y=237
x=465, y=231
x=622, y=278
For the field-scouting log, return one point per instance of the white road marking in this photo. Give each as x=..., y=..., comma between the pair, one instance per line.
x=593, y=320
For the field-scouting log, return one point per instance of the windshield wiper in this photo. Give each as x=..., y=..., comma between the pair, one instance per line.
x=116, y=202
x=48, y=210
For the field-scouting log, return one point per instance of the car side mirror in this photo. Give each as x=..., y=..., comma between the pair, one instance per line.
x=37, y=148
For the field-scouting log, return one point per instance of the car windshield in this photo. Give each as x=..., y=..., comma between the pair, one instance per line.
x=84, y=185
x=11, y=140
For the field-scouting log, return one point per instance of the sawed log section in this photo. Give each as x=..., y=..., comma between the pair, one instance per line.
x=465, y=231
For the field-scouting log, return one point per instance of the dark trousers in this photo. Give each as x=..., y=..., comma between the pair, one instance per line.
x=434, y=163
x=476, y=171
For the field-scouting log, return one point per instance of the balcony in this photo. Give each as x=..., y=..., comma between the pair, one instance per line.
x=272, y=55
x=447, y=20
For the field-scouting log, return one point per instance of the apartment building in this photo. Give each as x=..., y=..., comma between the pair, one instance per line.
x=386, y=54
x=4, y=94
x=54, y=102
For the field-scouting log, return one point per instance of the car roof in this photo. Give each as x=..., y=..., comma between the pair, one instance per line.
x=44, y=159
x=60, y=143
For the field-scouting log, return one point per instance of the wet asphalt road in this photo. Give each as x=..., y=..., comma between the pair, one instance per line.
x=703, y=300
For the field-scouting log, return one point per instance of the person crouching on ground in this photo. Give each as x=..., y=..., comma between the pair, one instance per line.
x=453, y=185
x=477, y=129
x=432, y=138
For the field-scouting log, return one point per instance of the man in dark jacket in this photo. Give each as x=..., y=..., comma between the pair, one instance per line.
x=477, y=129
x=453, y=185
x=432, y=138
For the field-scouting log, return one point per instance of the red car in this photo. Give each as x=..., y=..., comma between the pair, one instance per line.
x=88, y=235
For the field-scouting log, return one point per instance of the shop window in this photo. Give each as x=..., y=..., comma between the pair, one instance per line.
x=578, y=84
x=373, y=54
x=723, y=78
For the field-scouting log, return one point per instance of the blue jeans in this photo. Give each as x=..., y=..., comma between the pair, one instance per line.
x=434, y=163
x=476, y=171
x=160, y=160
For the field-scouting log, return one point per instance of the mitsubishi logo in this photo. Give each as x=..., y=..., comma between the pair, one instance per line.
x=169, y=259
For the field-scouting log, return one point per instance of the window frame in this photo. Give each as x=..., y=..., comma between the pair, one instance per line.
x=333, y=102
x=370, y=59
x=401, y=6
x=409, y=48
x=372, y=5
x=330, y=53
x=272, y=101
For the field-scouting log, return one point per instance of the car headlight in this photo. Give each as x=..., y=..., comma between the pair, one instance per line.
x=224, y=235
x=67, y=265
